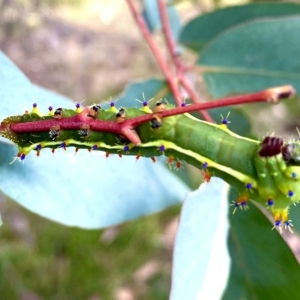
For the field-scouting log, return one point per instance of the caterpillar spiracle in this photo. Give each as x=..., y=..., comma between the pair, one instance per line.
x=266, y=171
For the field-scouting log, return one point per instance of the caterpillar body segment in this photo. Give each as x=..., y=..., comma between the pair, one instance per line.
x=213, y=141
x=266, y=171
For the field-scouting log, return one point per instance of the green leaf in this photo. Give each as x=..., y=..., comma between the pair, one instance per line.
x=252, y=57
x=144, y=90
x=294, y=213
x=198, y=32
x=152, y=17
x=85, y=190
x=150, y=90
x=201, y=259
x=263, y=266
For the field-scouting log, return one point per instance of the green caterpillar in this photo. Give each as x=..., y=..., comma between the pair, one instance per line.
x=266, y=171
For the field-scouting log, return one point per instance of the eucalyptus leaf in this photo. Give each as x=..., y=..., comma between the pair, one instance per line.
x=253, y=56
x=85, y=190
x=152, y=17
x=143, y=91
x=201, y=30
x=201, y=259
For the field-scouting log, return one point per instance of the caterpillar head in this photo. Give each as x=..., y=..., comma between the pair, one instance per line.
x=278, y=167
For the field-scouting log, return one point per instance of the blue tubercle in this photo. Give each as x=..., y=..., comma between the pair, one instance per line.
x=249, y=186
x=205, y=165
x=162, y=148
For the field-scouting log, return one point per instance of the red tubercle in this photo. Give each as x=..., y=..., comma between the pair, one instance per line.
x=21, y=155
x=242, y=200
x=241, y=203
x=206, y=175
x=178, y=165
x=170, y=160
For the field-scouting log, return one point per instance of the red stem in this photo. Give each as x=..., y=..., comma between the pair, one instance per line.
x=168, y=35
x=171, y=45
x=126, y=128
x=272, y=95
x=194, y=97
x=156, y=52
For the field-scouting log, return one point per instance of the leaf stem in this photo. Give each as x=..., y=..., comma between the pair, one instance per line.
x=156, y=52
x=168, y=36
x=126, y=128
x=272, y=95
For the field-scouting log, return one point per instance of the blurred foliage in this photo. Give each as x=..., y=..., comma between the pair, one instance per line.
x=52, y=261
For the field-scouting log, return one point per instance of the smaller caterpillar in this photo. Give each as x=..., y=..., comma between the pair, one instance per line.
x=267, y=171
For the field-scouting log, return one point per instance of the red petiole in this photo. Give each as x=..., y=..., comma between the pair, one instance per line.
x=126, y=128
